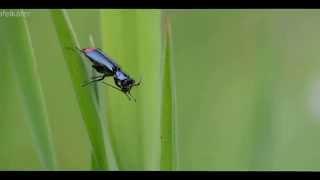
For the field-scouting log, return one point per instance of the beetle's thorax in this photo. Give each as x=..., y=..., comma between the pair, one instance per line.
x=123, y=81
x=120, y=75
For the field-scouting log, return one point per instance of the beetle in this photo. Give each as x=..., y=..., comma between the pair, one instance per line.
x=108, y=68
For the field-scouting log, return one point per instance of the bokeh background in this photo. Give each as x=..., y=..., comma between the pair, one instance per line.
x=247, y=90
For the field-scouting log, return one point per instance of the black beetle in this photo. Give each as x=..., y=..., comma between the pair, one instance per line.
x=104, y=65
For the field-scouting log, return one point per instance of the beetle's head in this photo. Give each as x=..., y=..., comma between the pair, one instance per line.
x=127, y=84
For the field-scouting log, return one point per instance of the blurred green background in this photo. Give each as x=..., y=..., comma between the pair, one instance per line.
x=247, y=90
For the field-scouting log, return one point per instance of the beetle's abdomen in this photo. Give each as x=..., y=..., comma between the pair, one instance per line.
x=100, y=59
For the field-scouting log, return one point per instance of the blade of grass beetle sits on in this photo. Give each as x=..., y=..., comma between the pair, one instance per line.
x=87, y=105
x=94, y=161
x=94, y=73
x=100, y=95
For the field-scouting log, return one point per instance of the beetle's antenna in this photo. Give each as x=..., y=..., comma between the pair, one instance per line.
x=95, y=80
x=138, y=83
x=76, y=49
x=70, y=48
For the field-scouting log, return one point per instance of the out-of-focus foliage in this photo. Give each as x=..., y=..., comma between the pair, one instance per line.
x=247, y=90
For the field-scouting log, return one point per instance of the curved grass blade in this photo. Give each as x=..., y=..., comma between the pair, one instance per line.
x=93, y=74
x=23, y=63
x=168, y=109
x=84, y=95
x=100, y=96
x=94, y=162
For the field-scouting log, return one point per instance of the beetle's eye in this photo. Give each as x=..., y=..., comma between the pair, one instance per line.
x=127, y=82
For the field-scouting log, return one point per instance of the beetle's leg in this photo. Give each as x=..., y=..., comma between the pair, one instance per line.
x=95, y=80
x=117, y=82
x=128, y=97
x=127, y=94
x=132, y=97
x=118, y=90
x=95, y=77
x=112, y=86
x=89, y=82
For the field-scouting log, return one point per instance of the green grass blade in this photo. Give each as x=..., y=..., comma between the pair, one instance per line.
x=94, y=162
x=133, y=39
x=84, y=95
x=149, y=55
x=98, y=91
x=23, y=63
x=168, y=114
x=93, y=74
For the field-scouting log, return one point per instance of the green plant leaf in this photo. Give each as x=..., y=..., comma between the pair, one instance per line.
x=19, y=53
x=98, y=91
x=168, y=110
x=85, y=96
x=133, y=39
